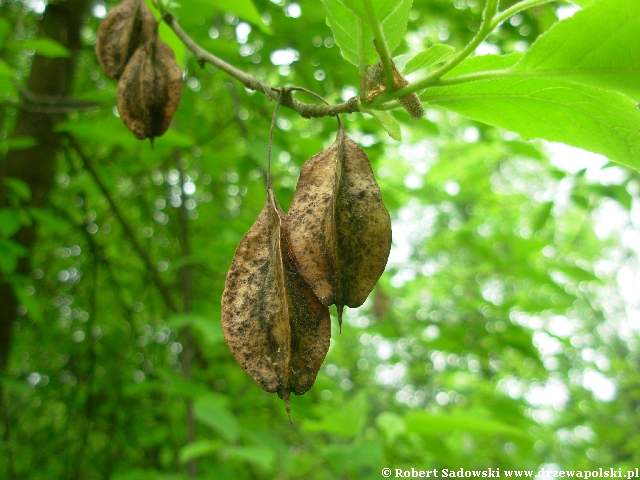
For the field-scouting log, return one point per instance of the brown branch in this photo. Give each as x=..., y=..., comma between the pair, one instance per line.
x=165, y=293
x=51, y=101
x=50, y=109
x=307, y=110
x=47, y=104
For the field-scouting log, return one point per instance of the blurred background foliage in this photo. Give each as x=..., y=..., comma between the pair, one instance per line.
x=504, y=332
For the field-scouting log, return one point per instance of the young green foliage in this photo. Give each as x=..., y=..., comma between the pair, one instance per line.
x=598, y=46
x=343, y=15
x=433, y=55
x=587, y=117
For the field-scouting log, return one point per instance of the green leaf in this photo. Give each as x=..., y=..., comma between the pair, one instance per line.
x=261, y=456
x=347, y=421
x=541, y=216
x=598, y=46
x=433, y=424
x=585, y=117
x=387, y=121
x=17, y=143
x=8, y=88
x=342, y=18
x=46, y=47
x=211, y=410
x=391, y=424
x=199, y=449
x=578, y=274
x=435, y=54
x=10, y=222
x=5, y=69
x=10, y=252
x=18, y=187
x=485, y=63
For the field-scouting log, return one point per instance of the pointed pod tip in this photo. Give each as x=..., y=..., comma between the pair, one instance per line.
x=285, y=397
x=340, y=307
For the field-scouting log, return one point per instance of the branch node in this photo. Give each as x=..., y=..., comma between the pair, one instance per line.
x=353, y=104
x=251, y=82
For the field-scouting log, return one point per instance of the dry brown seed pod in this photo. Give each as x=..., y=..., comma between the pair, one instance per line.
x=127, y=26
x=275, y=326
x=376, y=82
x=340, y=228
x=149, y=90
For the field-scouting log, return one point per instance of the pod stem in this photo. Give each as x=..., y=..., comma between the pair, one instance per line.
x=314, y=94
x=273, y=124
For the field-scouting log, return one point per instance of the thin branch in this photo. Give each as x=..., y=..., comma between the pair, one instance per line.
x=307, y=91
x=447, y=82
x=165, y=293
x=50, y=100
x=485, y=29
x=490, y=10
x=304, y=109
x=433, y=79
x=490, y=20
x=49, y=104
x=48, y=109
x=273, y=126
x=518, y=7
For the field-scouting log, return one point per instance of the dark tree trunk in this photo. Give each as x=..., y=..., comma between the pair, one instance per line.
x=51, y=78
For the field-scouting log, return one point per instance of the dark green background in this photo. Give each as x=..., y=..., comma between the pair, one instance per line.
x=447, y=365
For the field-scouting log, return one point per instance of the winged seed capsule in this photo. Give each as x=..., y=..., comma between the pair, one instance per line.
x=275, y=326
x=127, y=26
x=149, y=90
x=340, y=228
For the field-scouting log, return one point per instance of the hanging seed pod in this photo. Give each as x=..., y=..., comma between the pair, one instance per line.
x=376, y=82
x=149, y=90
x=340, y=228
x=127, y=26
x=276, y=328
